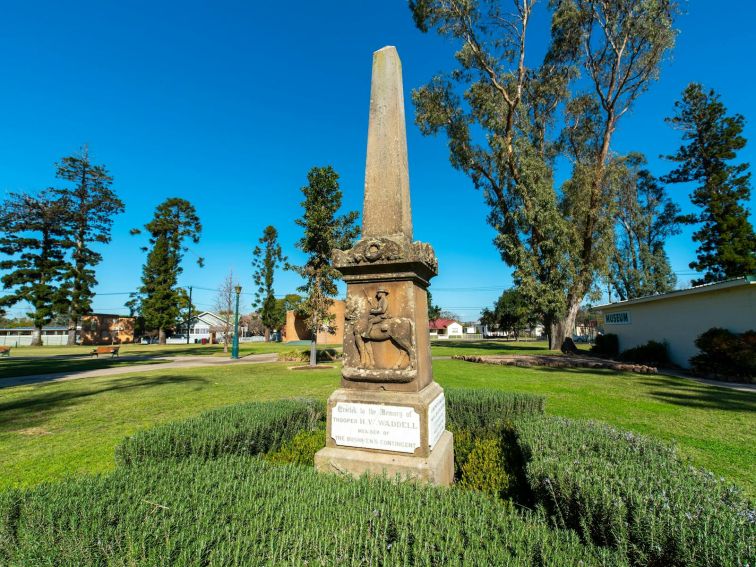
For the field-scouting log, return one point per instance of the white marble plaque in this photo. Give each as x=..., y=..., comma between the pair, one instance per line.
x=376, y=426
x=436, y=420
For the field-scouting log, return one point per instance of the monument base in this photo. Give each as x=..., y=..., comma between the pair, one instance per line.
x=392, y=433
x=437, y=468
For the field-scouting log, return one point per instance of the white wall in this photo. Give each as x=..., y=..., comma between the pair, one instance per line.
x=680, y=320
x=25, y=340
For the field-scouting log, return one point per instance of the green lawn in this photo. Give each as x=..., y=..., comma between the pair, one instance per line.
x=28, y=361
x=155, y=350
x=491, y=346
x=48, y=431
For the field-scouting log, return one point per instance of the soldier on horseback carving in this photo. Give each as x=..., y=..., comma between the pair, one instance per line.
x=378, y=309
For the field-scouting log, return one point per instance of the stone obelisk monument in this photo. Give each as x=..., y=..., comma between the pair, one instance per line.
x=389, y=416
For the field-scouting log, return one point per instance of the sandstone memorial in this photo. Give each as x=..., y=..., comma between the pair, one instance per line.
x=389, y=416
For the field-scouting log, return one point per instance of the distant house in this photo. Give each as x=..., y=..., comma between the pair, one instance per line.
x=679, y=317
x=445, y=329
x=106, y=329
x=207, y=326
x=52, y=335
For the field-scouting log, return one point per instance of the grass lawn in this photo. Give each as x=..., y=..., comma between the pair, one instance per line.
x=19, y=367
x=28, y=361
x=158, y=350
x=48, y=431
x=491, y=347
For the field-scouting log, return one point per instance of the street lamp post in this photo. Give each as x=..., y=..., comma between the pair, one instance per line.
x=235, y=347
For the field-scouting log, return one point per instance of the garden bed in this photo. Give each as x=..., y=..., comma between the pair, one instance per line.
x=556, y=361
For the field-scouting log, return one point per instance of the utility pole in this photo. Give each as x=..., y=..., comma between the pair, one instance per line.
x=235, y=346
x=189, y=319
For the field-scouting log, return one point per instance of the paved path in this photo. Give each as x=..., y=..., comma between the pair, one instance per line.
x=173, y=363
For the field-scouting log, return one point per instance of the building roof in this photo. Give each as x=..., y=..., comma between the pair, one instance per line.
x=705, y=288
x=438, y=324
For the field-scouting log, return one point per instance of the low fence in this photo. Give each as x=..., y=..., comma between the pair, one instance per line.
x=26, y=340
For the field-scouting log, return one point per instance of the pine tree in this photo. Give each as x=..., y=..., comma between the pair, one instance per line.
x=323, y=233
x=93, y=208
x=727, y=246
x=34, y=232
x=266, y=260
x=645, y=219
x=175, y=221
x=434, y=311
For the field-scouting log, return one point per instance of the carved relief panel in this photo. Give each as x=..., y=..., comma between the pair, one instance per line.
x=379, y=333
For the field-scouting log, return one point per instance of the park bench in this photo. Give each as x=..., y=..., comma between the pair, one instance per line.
x=111, y=350
x=5, y=350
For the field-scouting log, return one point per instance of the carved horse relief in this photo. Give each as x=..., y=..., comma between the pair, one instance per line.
x=370, y=323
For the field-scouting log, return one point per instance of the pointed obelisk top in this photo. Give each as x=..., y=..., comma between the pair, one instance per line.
x=386, y=209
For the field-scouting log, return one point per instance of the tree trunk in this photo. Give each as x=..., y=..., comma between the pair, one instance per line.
x=161, y=336
x=71, y=332
x=560, y=329
x=267, y=335
x=314, y=350
x=36, y=337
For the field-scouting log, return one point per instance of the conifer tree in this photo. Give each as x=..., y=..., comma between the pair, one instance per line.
x=33, y=234
x=265, y=262
x=727, y=243
x=93, y=208
x=324, y=232
x=174, y=223
x=646, y=218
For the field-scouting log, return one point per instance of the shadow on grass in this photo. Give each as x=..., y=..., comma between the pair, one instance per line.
x=684, y=392
x=64, y=366
x=36, y=407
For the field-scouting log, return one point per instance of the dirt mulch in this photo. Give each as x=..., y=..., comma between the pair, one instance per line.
x=550, y=361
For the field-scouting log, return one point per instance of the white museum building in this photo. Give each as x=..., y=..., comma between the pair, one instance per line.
x=680, y=317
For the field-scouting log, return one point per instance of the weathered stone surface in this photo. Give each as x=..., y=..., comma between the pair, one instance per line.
x=386, y=208
x=417, y=401
x=380, y=420
x=437, y=468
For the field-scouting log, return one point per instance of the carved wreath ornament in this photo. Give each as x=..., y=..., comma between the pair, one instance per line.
x=375, y=249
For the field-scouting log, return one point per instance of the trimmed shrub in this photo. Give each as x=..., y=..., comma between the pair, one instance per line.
x=727, y=355
x=634, y=494
x=487, y=457
x=653, y=353
x=489, y=409
x=244, y=511
x=243, y=429
x=300, y=449
x=606, y=345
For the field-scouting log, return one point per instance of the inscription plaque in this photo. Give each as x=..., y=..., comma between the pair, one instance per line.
x=376, y=426
x=436, y=420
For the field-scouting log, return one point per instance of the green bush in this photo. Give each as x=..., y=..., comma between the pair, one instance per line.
x=481, y=421
x=300, y=449
x=652, y=353
x=726, y=355
x=299, y=355
x=483, y=468
x=628, y=492
x=244, y=511
x=488, y=409
x=606, y=345
x=243, y=429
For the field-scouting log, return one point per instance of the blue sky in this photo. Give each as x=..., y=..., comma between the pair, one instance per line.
x=229, y=104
